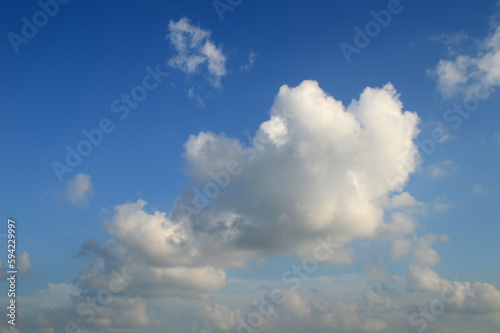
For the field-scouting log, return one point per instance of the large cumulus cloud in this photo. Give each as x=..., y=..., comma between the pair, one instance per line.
x=315, y=167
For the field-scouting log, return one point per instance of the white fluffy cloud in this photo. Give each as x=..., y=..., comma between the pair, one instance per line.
x=195, y=50
x=123, y=267
x=314, y=168
x=160, y=241
x=470, y=74
x=79, y=189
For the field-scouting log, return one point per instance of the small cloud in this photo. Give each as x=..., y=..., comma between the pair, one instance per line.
x=479, y=189
x=497, y=137
x=469, y=75
x=442, y=204
x=79, y=189
x=399, y=201
x=195, y=50
x=444, y=238
x=251, y=59
x=442, y=169
x=23, y=262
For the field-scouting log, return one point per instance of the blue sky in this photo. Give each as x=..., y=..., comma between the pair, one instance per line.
x=331, y=129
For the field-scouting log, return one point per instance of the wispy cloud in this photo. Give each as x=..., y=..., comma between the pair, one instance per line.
x=251, y=59
x=195, y=51
x=450, y=40
x=479, y=189
x=195, y=97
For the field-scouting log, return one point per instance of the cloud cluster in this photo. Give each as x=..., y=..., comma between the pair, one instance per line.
x=476, y=298
x=295, y=314
x=145, y=277
x=315, y=168
x=375, y=302
x=216, y=318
